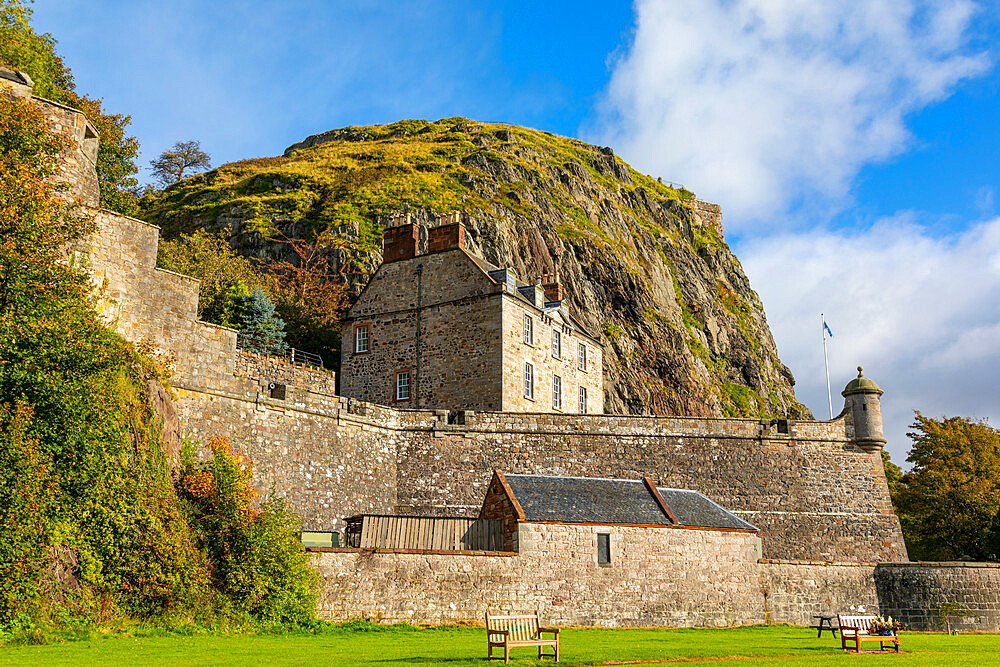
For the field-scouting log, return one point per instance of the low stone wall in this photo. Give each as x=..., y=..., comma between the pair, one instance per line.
x=796, y=591
x=924, y=595
x=657, y=577
x=266, y=369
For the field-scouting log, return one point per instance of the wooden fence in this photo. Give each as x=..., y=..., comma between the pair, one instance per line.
x=426, y=533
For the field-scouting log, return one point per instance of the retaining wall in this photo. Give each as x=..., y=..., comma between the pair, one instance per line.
x=935, y=596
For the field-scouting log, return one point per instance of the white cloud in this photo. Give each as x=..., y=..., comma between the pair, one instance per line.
x=920, y=312
x=760, y=103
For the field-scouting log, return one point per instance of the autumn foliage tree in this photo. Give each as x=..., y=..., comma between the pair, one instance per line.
x=949, y=501
x=311, y=295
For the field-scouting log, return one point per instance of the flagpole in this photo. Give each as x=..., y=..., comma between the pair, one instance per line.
x=826, y=360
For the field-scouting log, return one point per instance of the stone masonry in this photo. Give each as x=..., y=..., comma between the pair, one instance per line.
x=464, y=334
x=657, y=576
x=816, y=490
x=936, y=596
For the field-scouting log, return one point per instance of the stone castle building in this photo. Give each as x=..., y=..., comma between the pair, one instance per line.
x=439, y=327
x=824, y=536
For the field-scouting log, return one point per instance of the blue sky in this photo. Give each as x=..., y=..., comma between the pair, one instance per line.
x=851, y=145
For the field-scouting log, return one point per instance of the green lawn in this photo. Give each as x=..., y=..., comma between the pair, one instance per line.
x=765, y=645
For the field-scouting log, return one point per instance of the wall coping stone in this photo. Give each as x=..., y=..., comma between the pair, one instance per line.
x=929, y=564
x=418, y=552
x=827, y=563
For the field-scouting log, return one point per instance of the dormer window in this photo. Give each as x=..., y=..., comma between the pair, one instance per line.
x=581, y=361
x=361, y=339
x=529, y=330
x=556, y=343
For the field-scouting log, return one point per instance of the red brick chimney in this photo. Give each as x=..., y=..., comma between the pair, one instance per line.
x=400, y=240
x=553, y=288
x=449, y=234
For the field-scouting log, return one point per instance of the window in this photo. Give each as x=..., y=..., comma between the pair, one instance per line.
x=361, y=339
x=604, y=549
x=583, y=400
x=529, y=380
x=556, y=343
x=581, y=361
x=529, y=330
x=556, y=392
x=403, y=386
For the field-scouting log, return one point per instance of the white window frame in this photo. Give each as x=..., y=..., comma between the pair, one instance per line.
x=583, y=401
x=556, y=343
x=359, y=339
x=403, y=375
x=529, y=380
x=581, y=357
x=556, y=392
x=529, y=330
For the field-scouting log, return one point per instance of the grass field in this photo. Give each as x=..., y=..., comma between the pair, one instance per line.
x=761, y=645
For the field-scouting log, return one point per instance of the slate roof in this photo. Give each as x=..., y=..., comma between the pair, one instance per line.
x=488, y=268
x=609, y=501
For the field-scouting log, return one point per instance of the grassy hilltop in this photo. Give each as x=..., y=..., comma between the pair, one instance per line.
x=683, y=331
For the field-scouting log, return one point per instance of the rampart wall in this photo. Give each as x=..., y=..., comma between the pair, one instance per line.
x=936, y=596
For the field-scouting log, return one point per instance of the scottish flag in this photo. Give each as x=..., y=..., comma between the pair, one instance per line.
x=827, y=327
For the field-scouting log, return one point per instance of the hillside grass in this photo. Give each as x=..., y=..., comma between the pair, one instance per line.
x=364, y=644
x=415, y=163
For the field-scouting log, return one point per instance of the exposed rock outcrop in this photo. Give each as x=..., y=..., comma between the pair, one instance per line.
x=645, y=265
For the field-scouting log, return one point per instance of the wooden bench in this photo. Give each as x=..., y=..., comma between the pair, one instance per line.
x=854, y=630
x=510, y=631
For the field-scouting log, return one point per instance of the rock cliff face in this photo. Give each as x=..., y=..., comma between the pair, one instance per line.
x=645, y=265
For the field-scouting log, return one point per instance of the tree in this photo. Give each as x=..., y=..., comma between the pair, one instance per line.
x=949, y=502
x=260, y=329
x=21, y=48
x=184, y=159
x=311, y=295
x=224, y=275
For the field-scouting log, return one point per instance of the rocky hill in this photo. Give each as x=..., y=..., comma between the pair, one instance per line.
x=645, y=265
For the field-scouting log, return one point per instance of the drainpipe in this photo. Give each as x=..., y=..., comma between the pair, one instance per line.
x=420, y=294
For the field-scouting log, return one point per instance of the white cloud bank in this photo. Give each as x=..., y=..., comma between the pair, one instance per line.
x=921, y=313
x=760, y=103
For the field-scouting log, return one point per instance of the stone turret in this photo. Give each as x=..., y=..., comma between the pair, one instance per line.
x=862, y=399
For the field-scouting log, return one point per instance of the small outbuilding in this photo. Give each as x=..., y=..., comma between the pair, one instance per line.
x=518, y=500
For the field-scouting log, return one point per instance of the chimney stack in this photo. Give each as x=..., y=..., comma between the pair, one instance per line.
x=449, y=234
x=553, y=288
x=400, y=240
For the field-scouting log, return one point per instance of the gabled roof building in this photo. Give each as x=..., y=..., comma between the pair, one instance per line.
x=439, y=327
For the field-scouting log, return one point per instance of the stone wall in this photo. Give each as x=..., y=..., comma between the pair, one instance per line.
x=266, y=369
x=796, y=591
x=813, y=495
x=545, y=364
x=657, y=577
x=144, y=303
x=922, y=595
x=308, y=449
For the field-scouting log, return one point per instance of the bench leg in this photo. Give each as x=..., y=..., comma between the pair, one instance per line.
x=506, y=653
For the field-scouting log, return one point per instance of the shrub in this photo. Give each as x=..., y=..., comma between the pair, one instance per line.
x=257, y=560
